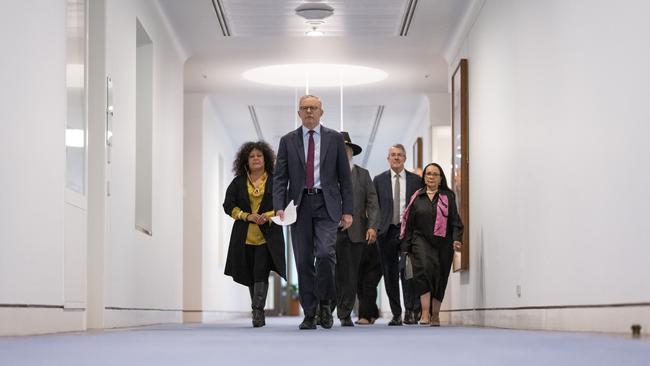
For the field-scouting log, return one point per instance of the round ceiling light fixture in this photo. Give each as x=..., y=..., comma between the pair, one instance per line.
x=314, y=75
x=314, y=11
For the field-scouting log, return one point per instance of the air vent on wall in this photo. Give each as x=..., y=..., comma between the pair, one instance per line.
x=221, y=17
x=408, y=17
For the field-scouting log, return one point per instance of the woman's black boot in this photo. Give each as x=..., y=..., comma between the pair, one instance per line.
x=260, y=290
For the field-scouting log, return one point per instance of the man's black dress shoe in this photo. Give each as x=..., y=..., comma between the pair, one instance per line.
x=326, y=320
x=347, y=322
x=397, y=320
x=408, y=317
x=308, y=323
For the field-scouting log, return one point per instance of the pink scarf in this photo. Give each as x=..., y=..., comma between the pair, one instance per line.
x=442, y=211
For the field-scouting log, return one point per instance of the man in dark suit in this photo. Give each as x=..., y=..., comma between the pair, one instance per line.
x=351, y=243
x=312, y=170
x=394, y=188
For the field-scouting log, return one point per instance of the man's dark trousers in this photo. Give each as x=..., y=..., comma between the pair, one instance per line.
x=314, y=237
x=348, y=259
x=369, y=276
x=389, y=251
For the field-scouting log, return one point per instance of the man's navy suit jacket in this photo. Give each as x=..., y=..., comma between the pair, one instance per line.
x=289, y=175
x=384, y=188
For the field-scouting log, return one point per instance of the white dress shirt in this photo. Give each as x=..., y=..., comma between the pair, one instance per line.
x=402, y=189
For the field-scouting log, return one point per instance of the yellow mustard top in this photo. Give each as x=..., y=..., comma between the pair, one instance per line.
x=254, y=235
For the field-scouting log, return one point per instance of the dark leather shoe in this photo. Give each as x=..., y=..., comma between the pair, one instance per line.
x=326, y=320
x=397, y=320
x=308, y=323
x=346, y=322
x=408, y=317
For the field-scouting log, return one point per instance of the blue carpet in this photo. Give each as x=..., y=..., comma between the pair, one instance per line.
x=234, y=342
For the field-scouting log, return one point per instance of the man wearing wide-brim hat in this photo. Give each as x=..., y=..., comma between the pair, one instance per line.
x=350, y=244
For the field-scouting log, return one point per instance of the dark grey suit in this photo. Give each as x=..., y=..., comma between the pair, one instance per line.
x=314, y=233
x=351, y=243
x=388, y=240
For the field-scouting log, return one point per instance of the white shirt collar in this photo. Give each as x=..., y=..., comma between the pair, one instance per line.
x=394, y=173
x=305, y=130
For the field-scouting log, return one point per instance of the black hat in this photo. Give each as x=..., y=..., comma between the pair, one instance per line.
x=356, y=149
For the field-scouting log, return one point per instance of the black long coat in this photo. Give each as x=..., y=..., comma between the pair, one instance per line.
x=431, y=256
x=236, y=263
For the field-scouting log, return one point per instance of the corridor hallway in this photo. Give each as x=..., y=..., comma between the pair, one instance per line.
x=121, y=120
x=280, y=343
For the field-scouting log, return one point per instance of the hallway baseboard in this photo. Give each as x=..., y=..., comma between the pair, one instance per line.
x=23, y=320
x=132, y=317
x=212, y=316
x=614, y=318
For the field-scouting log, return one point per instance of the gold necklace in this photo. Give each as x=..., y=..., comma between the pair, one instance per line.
x=256, y=188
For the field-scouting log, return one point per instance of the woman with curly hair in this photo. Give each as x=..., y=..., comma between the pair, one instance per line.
x=432, y=232
x=256, y=244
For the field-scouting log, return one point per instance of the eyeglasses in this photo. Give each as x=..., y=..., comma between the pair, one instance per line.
x=307, y=108
x=433, y=174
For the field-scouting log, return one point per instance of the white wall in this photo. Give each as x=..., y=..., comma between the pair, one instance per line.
x=209, y=293
x=221, y=293
x=33, y=152
x=144, y=272
x=558, y=185
x=192, y=207
x=32, y=162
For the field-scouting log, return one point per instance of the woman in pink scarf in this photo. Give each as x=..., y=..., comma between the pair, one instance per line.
x=432, y=232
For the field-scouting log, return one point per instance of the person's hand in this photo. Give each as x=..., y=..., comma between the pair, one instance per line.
x=257, y=218
x=458, y=245
x=280, y=214
x=346, y=222
x=261, y=220
x=371, y=236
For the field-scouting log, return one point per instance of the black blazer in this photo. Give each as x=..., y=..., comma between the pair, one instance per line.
x=236, y=264
x=384, y=189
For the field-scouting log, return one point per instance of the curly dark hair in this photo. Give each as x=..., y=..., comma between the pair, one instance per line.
x=240, y=165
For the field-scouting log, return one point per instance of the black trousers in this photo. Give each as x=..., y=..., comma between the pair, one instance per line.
x=369, y=276
x=258, y=259
x=389, y=251
x=314, y=247
x=348, y=259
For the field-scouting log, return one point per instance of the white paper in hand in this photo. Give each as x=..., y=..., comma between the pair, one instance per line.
x=290, y=215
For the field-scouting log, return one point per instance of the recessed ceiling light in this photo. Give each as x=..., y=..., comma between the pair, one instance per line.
x=314, y=32
x=314, y=75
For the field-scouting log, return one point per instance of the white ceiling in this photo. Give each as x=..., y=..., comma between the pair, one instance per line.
x=359, y=17
x=362, y=32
